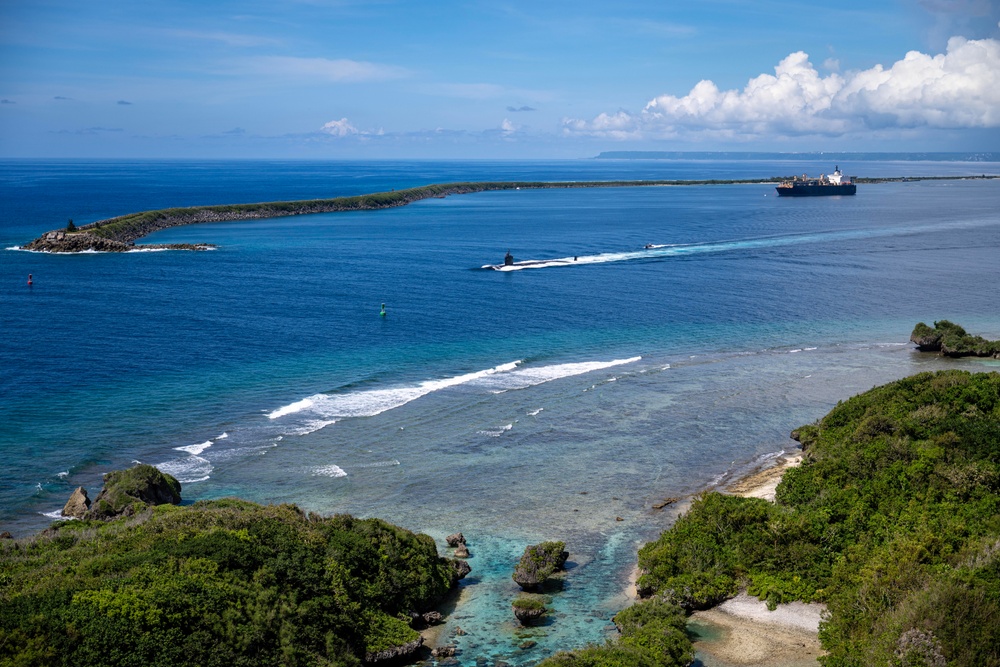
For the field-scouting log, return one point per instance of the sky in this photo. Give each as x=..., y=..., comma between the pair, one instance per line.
x=385, y=79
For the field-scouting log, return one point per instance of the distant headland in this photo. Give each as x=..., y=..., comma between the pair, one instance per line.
x=811, y=157
x=120, y=233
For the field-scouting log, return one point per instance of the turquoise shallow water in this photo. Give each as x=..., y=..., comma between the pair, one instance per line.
x=513, y=406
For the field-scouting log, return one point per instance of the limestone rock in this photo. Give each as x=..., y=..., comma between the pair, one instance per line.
x=432, y=618
x=77, y=505
x=455, y=539
x=528, y=611
x=127, y=492
x=394, y=653
x=443, y=651
x=461, y=569
x=461, y=551
x=528, y=616
x=538, y=563
x=926, y=338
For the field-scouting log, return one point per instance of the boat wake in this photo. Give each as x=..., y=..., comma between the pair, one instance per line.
x=654, y=251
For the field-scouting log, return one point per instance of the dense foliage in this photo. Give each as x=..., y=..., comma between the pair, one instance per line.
x=225, y=582
x=893, y=520
x=652, y=634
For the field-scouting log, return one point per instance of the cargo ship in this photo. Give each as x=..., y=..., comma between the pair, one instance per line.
x=834, y=184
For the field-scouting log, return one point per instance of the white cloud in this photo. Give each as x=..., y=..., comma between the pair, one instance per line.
x=957, y=89
x=339, y=128
x=322, y=69
x=344, y=128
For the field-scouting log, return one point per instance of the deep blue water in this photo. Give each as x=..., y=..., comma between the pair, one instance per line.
x=514, y=406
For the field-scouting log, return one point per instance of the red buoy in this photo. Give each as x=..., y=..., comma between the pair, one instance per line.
x=29, y=278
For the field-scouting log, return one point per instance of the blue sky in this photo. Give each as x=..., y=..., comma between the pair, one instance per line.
x=515, y=79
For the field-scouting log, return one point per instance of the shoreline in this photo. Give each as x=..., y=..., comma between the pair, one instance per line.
x=762, y=481
x=742, y=632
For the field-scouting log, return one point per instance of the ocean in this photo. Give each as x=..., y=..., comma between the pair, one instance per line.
x=559, y=402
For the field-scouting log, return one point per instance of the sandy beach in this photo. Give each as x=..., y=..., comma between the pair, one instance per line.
x=763, y=483
x=742, y=632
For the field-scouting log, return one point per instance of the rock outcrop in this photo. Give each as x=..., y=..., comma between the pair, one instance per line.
x=455, y=539
x=461, y=569
x=538, y=563
x=528, y=611
x=394, y=653
x=127, y=492
x=82, y=241
x=77, y=505
x=951, y=340
x=443, y=652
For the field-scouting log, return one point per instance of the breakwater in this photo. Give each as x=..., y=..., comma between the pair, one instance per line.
x=120, y=233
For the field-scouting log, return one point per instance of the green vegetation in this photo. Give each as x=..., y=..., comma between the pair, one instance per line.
x=128, y=492
x=652, y=634
x=893, y=520
x=951, y=340
x=70, y=227
x=538, y=563
x=530, y=604
x=225, y=582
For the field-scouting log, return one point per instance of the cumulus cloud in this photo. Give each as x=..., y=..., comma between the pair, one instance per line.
x=957, y=89
x=344, y=128
x=339, y=128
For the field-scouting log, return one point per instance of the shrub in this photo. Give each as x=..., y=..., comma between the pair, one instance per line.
x=221, y=583
x=893, y=519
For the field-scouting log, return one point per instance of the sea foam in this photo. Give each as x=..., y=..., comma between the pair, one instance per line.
x=376, y=401
x=195, y=450
x=321, y=410
x=328, y=471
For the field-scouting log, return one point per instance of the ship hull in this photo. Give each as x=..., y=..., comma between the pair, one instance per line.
x=817, y=190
